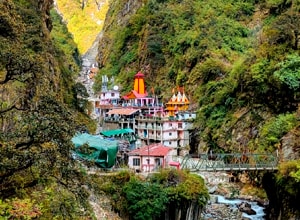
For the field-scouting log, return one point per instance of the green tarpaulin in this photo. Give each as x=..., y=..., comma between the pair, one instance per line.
x=111, y=133
x=94, y=148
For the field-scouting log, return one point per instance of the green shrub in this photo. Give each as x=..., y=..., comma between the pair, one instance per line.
x=288, y=71
x=145, y=200
x=274, y=129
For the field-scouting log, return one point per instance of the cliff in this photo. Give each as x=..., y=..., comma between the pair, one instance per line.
x=238, y=61
x=84, y=20
x=38, y=117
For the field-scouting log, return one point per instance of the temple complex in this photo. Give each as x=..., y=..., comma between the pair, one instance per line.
x=147, y=117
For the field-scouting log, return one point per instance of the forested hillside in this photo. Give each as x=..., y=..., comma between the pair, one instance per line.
x=41, y=110
x=238, y=61
x=39, y=114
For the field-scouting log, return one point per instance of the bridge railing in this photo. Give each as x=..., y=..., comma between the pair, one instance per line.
x=231, y=161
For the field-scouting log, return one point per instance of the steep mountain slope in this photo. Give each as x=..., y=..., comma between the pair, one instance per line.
x=84, y=20
x=38, y=114
x=238, y=62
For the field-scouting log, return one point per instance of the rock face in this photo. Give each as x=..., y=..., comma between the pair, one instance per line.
x=290, y=145
x=280, y=201
x=45, y=6
x=189, y=211
x=128, y=8
x=246, y=207
x=284, y=197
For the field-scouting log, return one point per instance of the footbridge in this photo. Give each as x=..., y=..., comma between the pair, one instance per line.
x=229, y=162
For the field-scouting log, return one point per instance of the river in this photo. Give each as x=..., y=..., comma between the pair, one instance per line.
x=222, y=208
x=226, y=201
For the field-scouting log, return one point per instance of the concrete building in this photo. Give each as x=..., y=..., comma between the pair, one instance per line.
x=171, y=132
x=150, y=158
x=106, y=100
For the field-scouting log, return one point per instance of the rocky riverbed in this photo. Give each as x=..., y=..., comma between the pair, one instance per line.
x=229, y=200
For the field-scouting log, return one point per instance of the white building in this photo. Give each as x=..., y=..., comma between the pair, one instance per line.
x=173, y=132
x=106, y=100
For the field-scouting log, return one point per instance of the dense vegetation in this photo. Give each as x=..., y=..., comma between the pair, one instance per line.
x=171, y=193
x=38, y=116
x=283, y=191
x=40, y=112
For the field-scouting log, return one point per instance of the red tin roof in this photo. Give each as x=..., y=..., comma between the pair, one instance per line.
x=151, y=150
x=139, y=74
x=134, y=95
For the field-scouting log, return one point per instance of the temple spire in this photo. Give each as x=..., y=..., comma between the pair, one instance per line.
x=139, y=83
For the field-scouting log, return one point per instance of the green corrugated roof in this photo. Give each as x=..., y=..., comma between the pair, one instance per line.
x=103, y=152
x=110, y=133
x=94, y=141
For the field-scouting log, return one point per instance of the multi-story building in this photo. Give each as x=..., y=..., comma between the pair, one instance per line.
x=171, y=132
x=151, y=122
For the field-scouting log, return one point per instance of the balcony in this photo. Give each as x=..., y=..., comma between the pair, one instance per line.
x=110, y=119
x=156, y=128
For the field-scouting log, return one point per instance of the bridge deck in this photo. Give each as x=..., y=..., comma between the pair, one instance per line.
x=229, y=162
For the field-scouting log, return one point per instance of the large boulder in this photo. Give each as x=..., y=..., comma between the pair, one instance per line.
x=246, y=208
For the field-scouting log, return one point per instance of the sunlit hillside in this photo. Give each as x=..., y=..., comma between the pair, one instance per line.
x=84, y=20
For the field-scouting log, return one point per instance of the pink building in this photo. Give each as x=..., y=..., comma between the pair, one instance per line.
x=150, y=158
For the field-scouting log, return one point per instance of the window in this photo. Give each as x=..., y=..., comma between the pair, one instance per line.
x=170, y=134
x=136, y=161
x=157, y=162
x=179, y=125
x=170, y=142
x=170, y=125
x=112, y=94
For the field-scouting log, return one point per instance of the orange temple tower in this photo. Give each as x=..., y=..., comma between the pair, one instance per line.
x=139, y=95
x=177, y=103
x=139, y=83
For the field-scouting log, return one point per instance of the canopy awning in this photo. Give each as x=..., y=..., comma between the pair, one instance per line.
x=175, y=164
x=122, y=111
x=101, y=151
x=110, y=133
